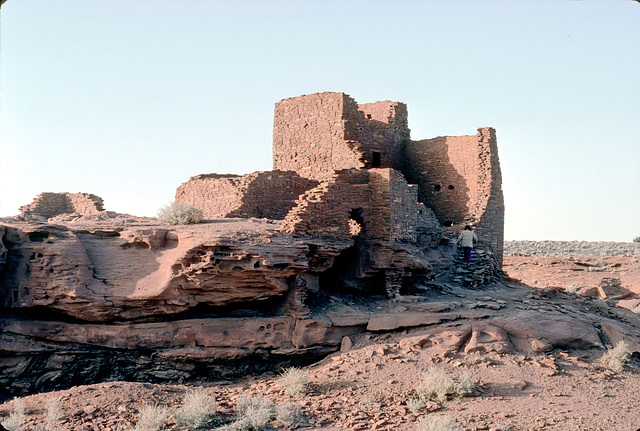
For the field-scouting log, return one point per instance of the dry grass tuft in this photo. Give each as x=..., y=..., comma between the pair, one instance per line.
x=253, y=414
x=616, y=358
x=176, y=213
x=151, y=418
x=196, y=410
x=17, y=417
x=294, y=381
x=438, y=385
x=437, y=423
x=289, y=413
x=415, y=404
x=54, y=411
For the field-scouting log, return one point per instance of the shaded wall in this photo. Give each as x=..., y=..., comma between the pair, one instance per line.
x=390, y=131
x=53, y=204
x=372, y=204
x=310, y=135
x=317, y=134
x=459, y=178
x=269, y=194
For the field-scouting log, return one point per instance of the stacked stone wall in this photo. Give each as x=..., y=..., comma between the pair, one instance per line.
x=390, y=131
x=328, y=142
x=53, y=204
x=489, y=209
x=327, y=209
x=459, y=179
x=269, y=194
x=379, y=201
x=317, y=134
x=400, y=201
x=309, y=135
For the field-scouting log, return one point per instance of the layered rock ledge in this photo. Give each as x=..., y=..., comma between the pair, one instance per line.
x=85, y=301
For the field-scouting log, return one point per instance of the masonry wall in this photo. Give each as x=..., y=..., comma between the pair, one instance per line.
x=269, y=194
x=389, y=191
x=310, y=135
x=317, y=134
x=326, y=209
x=459, y=178
x=379, y=200
x=53, y=204
x=390, y=132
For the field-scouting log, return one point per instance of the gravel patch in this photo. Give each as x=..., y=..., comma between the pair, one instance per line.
x=572, y=248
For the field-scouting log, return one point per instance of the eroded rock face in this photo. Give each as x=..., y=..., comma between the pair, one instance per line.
x=87, y=302
x=155, y=302
x=107, y=274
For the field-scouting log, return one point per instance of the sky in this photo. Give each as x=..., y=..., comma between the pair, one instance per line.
x=127, y=99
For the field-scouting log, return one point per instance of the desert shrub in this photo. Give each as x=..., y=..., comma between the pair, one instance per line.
x=289, y=413
x=636, y=239
x=573, y=288
x=54, y=410
x=151, y=418
x=17, y=417
x=616, y=358
x=415, y=404
x=464, y=386
x=254, y=414
x=437, y=423
x=438, y=385
x=177, y=213
x=599, y=305
x=294, y=381
x=196, y=410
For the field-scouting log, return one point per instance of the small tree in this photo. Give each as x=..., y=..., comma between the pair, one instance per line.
x=636, y=239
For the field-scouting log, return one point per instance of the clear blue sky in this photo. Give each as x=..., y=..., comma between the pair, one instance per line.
x=128, y=99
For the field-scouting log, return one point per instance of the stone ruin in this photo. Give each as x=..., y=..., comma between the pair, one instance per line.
x=345, y=170
x=355, y=217
x=48, y=205
x=352, y=234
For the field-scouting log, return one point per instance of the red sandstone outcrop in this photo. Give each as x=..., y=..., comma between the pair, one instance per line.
x=86, y=297
x=107, y=273
x=85, y=302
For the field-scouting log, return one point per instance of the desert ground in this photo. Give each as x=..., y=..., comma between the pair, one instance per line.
x=371, y=383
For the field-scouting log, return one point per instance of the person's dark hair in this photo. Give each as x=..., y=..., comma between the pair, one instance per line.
x=467, y=227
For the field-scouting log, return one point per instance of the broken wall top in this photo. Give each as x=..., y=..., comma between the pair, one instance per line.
x=320, y=133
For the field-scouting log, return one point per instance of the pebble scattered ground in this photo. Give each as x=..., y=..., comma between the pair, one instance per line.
x=370, y=385
x=572, y=248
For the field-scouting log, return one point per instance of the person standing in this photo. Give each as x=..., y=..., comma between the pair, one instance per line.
x=467, y=240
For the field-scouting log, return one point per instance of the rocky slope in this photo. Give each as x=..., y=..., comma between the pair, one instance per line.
x=533, y=352
x=371, y=383
x=99, y=298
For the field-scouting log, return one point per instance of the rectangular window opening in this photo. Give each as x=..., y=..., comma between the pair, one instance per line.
x=375, y=162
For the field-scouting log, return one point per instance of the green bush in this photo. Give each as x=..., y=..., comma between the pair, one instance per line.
x=176, y=213
x=636, y=239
